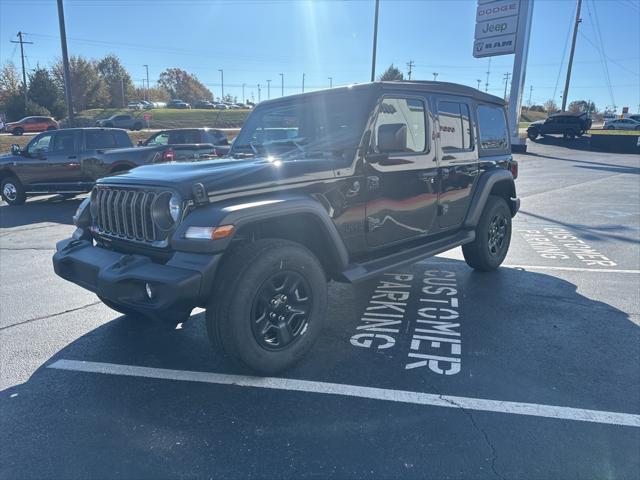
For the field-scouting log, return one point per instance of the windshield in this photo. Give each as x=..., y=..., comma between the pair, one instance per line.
x=331, y=123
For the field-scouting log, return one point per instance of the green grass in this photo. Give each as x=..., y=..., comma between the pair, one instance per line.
x=164, y=118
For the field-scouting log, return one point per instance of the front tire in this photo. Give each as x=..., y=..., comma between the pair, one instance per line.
x=12, y=191
x=493, y=236
x=569, y=134
x=268, y=306
x=532, y=134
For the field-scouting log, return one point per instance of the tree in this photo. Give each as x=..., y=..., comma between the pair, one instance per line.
x=391, y=74
x=580, y=106
x=115, y=77
x=10, y=83
x=550, y=106
x=155, y=94
x=44, y=92
x=88, y=89
x=183, y=85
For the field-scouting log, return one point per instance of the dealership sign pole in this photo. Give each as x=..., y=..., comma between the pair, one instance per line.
x=503, y=27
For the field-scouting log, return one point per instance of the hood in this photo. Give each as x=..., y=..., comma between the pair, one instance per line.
x=537, y=122
x=226, y=176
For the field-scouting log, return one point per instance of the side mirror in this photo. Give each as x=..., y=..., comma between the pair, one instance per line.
x=15, y=149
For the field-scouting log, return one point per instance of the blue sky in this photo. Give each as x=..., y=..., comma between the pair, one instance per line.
x=256, y=40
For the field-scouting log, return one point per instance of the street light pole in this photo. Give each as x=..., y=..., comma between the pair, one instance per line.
x=375, y=41
x=147, y=90
x=221, y=83
x=268, y=89
x=435, y=76
x=303, y=82
x=479, y=81
x=282, y=84
x=259, y=90
x=330, y=82
x=243, y=99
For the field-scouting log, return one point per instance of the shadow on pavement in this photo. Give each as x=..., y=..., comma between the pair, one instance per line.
x=54, y=209
x=581, y=143
x=527, y=337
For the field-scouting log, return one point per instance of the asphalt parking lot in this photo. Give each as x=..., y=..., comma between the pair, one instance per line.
x=535, y=371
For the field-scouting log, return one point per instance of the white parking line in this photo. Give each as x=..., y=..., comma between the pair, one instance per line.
x=574, y=269
x=402, y=396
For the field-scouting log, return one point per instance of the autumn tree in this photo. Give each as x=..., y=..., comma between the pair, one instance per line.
x=391, y=73
x=88, y=89
x=155, y=94
x=116, y=79
x=551, y=106
x=183, y=85
x=10, y=83
x=580, y=106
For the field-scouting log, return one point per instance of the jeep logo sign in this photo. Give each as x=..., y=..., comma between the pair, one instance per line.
x=500, y=26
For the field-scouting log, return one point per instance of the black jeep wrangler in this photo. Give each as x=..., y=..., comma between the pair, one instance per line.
x=569, y=125
x=341, y=185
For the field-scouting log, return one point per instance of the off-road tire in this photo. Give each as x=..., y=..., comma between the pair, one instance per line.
x=234, y=303
x=17, y=195
x=479, y=254
x=17, y=131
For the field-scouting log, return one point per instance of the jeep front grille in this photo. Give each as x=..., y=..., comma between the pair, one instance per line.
x=126, y=214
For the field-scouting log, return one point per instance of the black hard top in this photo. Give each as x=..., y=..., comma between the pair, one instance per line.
x=444, y=88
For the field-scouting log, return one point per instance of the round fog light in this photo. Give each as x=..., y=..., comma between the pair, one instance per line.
x=149, y=291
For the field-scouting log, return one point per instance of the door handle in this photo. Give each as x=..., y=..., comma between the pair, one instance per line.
x=428, y=177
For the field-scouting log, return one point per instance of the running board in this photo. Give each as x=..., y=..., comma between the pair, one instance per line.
x=358, y=272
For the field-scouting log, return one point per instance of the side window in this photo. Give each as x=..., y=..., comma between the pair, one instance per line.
x=400, y=126
x=100, y=140
x=182, y=137
x=455, y=126
x=160, y=139
x=122, y=139
x=41, y=145
x=64, y=142
x=493, y=128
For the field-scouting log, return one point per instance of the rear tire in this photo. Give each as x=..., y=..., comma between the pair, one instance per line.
x=569, y=134
x=17, y=131
x=268, y=306
x=493, y=236
x=12, y=191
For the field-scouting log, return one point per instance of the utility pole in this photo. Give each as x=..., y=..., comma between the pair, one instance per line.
x=243, y=99
x=573, y=49
x=122, y=85
x=435, y=76
x=410, y=65
x=330, y=82
x=259, y=93
x=506, y=84
x=221, y=83
x=303, y=82
x=65, y=63
x=147, y=90
x=479, y=81
x=282, y=84
x=486, y=85
x=375, y=42
x=530, y=92
x=24, y=73
x=268, y=90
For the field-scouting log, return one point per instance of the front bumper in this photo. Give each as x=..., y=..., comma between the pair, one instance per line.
x=178, y=286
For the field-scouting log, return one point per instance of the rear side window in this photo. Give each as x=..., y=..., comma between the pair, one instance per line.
x=492, y=125
x=401, y=126
x=100, y=140
x=64, y=142
x=182, y=137
x=122, y=139
x=455, y=127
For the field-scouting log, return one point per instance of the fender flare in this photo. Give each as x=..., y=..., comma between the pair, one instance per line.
x=244, y=212
x=482, y=191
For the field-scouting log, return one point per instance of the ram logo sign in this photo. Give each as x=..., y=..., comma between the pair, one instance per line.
x=496, y=28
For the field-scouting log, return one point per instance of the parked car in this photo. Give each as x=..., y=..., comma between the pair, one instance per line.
x=191, y=143
x=569, y=125
x=31, y=124
x=69, y=161
x=126, y=121
x=178, y=104
x=622, y=124
x=147, y=105
x=364, y=188
x=635, y=117
x=135, y=106
x=203, y=104
x=234, y=106
x=220, y=106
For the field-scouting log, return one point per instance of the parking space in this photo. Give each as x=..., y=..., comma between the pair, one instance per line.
x=432, y=370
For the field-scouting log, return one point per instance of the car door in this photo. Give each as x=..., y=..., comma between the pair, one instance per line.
x=457, y=159
x=32, y=167
x=401, y=171
x=64, y=161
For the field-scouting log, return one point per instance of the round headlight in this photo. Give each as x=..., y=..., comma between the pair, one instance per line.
x=174, y=207
x=166, y=210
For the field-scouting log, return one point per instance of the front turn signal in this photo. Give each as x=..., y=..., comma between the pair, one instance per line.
x=210, y=233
